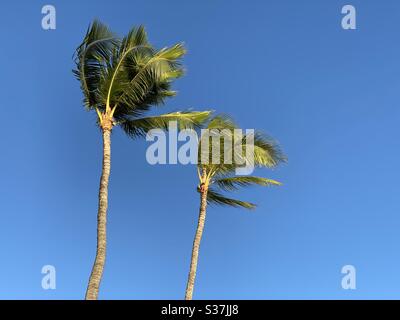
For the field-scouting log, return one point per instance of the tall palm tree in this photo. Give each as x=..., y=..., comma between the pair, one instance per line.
x=216, y=177
x=121, y=78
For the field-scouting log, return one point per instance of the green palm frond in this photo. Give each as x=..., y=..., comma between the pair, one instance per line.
x=219, y=129
x=267, y=152
x=185, y=120
x=91, y=59
x=221, y=122
x=146, y=75
x=233, y=183
x=213, y=197
x=137, y=36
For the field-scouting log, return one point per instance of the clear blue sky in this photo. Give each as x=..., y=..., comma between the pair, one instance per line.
x=331, y=97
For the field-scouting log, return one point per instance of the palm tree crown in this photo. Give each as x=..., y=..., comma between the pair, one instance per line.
x=220, y=177
x=122, y=78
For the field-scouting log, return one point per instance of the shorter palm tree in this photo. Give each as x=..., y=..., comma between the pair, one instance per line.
x=216, y=178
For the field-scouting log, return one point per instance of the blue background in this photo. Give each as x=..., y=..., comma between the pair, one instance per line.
x=329, y=96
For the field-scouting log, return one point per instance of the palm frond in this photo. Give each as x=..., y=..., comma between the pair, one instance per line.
x=221, y=122
x=213, y=197
x=233, y=183
x=147, y=73
x=185, y=120
x=267, y=152
x=91, y=59
x=137, y=36
x=219, y=130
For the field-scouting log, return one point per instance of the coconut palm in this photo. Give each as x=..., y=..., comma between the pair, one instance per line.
x=121, y=79
x=216, y=177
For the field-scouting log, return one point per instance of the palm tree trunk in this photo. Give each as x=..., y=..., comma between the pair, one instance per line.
x=196, y=244
x=98, y=267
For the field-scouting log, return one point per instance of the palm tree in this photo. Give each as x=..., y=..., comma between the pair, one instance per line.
x=121, y=79
x=217, y=177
